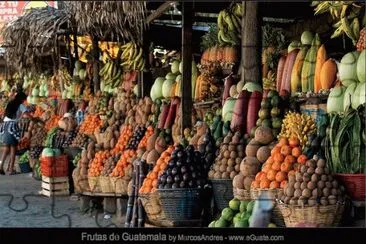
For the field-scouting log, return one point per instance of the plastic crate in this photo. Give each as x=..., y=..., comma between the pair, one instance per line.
x=55, y=166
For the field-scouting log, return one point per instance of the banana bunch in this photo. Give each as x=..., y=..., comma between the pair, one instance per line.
x=269, y=82
x=229, y=25
x=132, y=57
x=64, y=76
x=5, y=87
x=111, y=74
x=298, y=125
x=346, y=14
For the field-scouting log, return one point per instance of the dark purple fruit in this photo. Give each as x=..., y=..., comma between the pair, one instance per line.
x=194, y=175
x=190, y=148
x=169, y=171
x=171, y=163
x=161, y=186
x=174, y=171
x=175, y=185
x=192, y=168
x=169, y=180
x=186, y=177
x=183, y=169
x=162, y=179
x=201, y=148
x=177, y=178
x=192, y=184
x=197, y=154
x=182, y=184
x=178, y=163
x=180, y=154
x=168, y=186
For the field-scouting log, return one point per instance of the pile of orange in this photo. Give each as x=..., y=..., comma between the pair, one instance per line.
x=125, y=160
x=124, y=138
x=150, y=183
x=90, y=123
x=38, y=112
x=52, y=122
x=285, y=159
x=149, y=132
x=97, y=164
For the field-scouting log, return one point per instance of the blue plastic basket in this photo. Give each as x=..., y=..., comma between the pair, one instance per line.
x=25, y=168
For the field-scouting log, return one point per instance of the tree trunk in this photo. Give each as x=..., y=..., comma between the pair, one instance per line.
x=251, y=45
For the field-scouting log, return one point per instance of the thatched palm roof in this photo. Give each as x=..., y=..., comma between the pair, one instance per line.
x=121, y=20
x=32, y=34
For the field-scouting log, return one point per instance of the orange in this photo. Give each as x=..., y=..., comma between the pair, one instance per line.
x=274, y=185
x=286, y=150
x=302, y=159
x=271, y=175
x=281, y=176
x=276, y=166
x=290, y=159
x=270, y=160
x=279, y=158
x=283, y=141
x=264, y=184
x=294, y=141
x=255, y=184
x=258, y=176
x=283, y=184
x=155, y=183
x=286, y=167
x=266, y=167
x=263, y=177
x=275, y=150
x=153, y=175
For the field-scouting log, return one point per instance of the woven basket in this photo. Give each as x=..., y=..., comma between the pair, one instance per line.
x=106, y=184
x=152, y=206
x=94, y=184
x=222, y=192
x=180, y=204
x=322, y=216
x=120, y=185
x=241, y=194
x=354, y=184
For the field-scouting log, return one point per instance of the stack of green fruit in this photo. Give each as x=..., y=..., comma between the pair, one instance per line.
x=270, y=114
x=237, y=215
x=219, y=129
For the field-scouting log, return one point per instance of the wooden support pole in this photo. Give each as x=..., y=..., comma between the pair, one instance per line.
x=251, y=29
x=96, y=78
x=158, y=12
x=76, y=53
x=186, y=103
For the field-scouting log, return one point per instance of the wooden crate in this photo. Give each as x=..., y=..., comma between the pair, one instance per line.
x=57, y=186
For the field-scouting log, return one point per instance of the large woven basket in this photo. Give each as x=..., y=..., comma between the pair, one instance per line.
x=120, y=185
x=106, y=184
x=152, y=206
x=94, y=184
x=273, y=194
x=241, y=194
x=222, y=192
x=321, y=216
x=180, y=204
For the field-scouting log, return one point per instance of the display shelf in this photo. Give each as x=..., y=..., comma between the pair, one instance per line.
x=101, y=194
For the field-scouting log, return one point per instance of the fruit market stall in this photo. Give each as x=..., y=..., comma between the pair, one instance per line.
x=209, y=137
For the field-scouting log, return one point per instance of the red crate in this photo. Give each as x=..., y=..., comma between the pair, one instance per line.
x=55, y=166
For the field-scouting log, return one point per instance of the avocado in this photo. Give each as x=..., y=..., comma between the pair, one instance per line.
x=220, y=223
x=227, y=214
x=266, y=123
x=275, y=111
x=243, y=206
x=275, y=101
x=272, y=93
x=234, y=204
x=250, y=206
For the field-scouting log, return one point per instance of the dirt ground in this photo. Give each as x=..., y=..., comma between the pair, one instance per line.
x=21, y=205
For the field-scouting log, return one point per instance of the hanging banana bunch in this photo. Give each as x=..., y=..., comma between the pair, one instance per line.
x=132, y=57
x=229, y=25
x=346, y=14
x=111, y=74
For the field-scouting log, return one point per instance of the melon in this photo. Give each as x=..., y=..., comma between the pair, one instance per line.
x=293, y=45
x=348, y=96
x=361, y=67
x=170, y=76
x=47, y=152
x=157, y=89
x=306, y=38
x=167, y=87
x=252, y=87
x=178, y=78
x=181, y=67
x=82, y=74
x=175, y=66
x=35, y=92
x=228, y=108
x=359, y=96
x=348, y=68
x=335, y=99
x=233, y=92
x=239, y=86
x=78, y=65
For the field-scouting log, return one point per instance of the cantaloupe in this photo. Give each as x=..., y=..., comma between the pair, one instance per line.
x=348, y=68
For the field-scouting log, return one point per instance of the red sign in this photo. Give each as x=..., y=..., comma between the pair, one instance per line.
x=10, y=10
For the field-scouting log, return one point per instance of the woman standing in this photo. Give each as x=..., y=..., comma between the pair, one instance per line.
x=9, y=131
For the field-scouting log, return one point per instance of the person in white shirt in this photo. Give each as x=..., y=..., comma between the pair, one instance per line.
x=9, y=131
